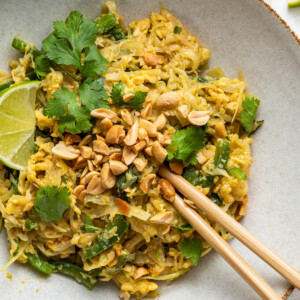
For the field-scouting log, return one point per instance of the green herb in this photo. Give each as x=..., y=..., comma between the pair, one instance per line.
x=177, y=29
x=70, y=40
x=237, y=172
x=42, y=65
x=38, y=264
x=73, y=117
x=185, y=228
x=255, y=127
x=106, y=239
x=118, y=33
x=75, y=271
x=197, y=178
x=92, y=94
x=51, y=202
x=127, y=180
x=191, y=248
x=105, y=23
x=29, y=225
x=14, y=182
x=185, y=144
x=88, y=225
x=221, y=154
x=118, y=92
x=202, y=79
x=16, y=252
x=215, y=198
x=250, y=105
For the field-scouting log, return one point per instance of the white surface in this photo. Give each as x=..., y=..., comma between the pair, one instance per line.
x=290, y=15
x=241, y=35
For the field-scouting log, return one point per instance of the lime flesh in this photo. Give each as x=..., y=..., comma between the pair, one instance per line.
x=17, y=124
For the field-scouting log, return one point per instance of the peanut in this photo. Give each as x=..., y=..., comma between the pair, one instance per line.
x=167, y=100
x=117, y=167
x=198, y=118
x=152, y=59
x=167, y=189
x=159, y=152
x=113, y=135
x=132, y=134
x=176, y=167
x=107, y=177
x=123, y=206
x=63, y=151
x=146, y=183
x=103, y=113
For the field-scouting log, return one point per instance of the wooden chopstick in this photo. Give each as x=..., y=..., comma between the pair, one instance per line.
x=232, y=226
x=225, y=250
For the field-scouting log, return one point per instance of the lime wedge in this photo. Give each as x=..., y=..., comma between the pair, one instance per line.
x=293, y=3
x=17, y=124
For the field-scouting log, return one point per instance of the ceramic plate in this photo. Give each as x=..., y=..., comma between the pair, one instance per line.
x=241, y=34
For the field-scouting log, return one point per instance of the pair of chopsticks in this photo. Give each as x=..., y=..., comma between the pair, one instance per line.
x=236, y=229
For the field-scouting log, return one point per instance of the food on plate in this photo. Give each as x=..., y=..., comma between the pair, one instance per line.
x=106, y=106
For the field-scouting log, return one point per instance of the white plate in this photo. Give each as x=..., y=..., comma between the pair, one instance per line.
x=241, y=35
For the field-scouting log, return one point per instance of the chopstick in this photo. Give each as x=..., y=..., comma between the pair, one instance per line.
x=232, y=226
x=225, y=250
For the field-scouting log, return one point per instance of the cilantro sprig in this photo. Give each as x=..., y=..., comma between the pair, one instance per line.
x=250, y=105
x=51, y=202
x=192, y=249
x=185, y=144
x=118, y=92
x=70, y=42
x=74, y=114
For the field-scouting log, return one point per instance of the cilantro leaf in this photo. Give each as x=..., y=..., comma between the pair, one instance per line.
x=42, y=65
x=185, y=144
x=72, y=117
x=93, y=95
x=177, y=29
x=118, y=92
x=94, y=62
x=250, y=105
x=70, y=40
x=51, y=202
x=191, y=248
x=29, y=225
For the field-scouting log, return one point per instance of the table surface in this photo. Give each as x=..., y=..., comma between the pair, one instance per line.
x=292, y=17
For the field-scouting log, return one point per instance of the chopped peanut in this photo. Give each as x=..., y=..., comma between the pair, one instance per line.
x=146, y=183
x=152, y=59
x=167, y=100
x=117, y=167
x=123, y=206
x=176, y=167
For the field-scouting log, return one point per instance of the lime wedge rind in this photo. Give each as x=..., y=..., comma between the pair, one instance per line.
x=293, y=3
x=18, y=124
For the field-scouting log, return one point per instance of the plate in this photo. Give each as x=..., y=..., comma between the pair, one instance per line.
x=241, y=34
